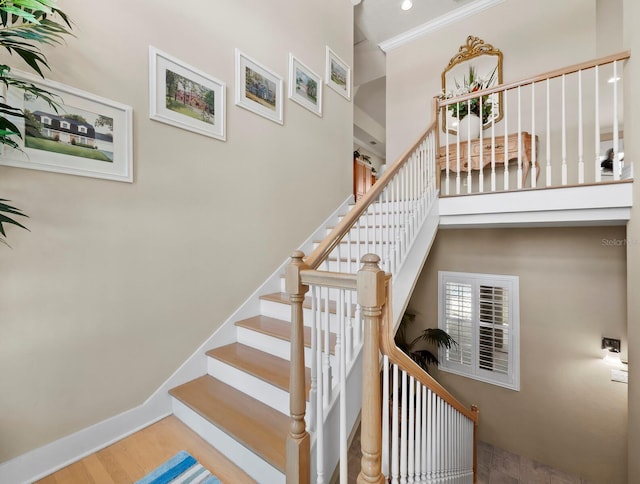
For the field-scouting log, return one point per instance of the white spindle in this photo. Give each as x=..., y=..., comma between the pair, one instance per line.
x=344, y=436
x=426, y=394
x=596, y=158
x=321, y=390
x=458, y=151
x=519, y=171
x=580, y=127
x=469, y=181
x=395, y=429
x=418, y=433
x=481, y=173
x=326, y=366
x=564, y=131
x=313, y=390
x=403, y=431
x=548, y=177
x=411, y=437
x=447, y=157
x=493, y=155
x=506, y=141
x=534, y=146
x=385, y=416
x=617, y=168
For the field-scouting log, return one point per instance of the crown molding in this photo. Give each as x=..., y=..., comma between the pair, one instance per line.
x=438, y=23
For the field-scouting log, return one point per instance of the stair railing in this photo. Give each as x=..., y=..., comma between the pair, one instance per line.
x=555, y=124
x=386, y=221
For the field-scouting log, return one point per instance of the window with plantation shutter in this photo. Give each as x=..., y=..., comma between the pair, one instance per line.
x=480, y=312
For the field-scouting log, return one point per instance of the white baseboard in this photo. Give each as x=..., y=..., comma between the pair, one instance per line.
x=51, y=457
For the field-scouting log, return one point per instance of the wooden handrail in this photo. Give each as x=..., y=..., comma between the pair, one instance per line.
x=404, y=362
x=541, y=77
x=313, y=260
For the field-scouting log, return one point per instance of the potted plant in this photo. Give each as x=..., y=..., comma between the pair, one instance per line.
x=423, y=357
x=25, y=25
x=481, y=111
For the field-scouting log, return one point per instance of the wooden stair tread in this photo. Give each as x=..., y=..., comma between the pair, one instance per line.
x=264, y=366
x=283, y=298
x=252, y=423
x=280, y=329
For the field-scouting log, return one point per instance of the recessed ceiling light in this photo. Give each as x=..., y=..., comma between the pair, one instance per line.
x=406, y=4
x=372, y=142
x=613, y=79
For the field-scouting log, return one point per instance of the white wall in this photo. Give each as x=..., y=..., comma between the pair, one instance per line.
x=568, y=413
x=532, y=39
x=117, y=283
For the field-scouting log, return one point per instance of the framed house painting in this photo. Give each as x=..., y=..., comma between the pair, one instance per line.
x=305, y=86
x=258, y=89
x=185, y=97
x=338, y=74
x=87, y=135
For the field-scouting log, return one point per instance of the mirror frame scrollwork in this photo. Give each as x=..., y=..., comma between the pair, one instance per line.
x=473, y=48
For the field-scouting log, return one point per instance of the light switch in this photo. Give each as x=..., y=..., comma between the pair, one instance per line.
x=620, y=375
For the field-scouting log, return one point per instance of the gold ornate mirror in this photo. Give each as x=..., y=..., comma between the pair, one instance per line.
x=479, y=64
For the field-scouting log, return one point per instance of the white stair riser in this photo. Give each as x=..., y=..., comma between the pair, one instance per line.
x=277, y=310
x=253, y=465
x=262, y=391
x=273, y=346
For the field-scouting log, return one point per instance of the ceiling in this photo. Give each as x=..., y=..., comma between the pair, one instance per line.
x=380, y=20
x=376, y=21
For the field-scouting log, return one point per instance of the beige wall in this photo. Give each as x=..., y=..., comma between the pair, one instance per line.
x=413, y=70
x=117, y=284
x=632, y=152
x=568, y=414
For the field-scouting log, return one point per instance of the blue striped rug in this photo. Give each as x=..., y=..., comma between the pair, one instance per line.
x=181, y=468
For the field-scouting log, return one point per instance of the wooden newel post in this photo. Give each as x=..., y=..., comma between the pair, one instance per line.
x=371, y=293
x=298, y=442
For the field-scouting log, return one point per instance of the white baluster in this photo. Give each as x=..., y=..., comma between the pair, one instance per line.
x=617, y=167
x=447, y=157
x=519, y=172
x=326, y=367
x=344, y=437
x=506, y=141
x=319, y=397
x=458, y=151
x=481, y=173
x=564, y=131
x=469, y=181
x=395, y=429
x=403, y=431
x=385, y=417
x=411, y=437
x=493, y=155
x=534, y=145
x=313, y=390
x=418, y=434
x=426, y=405
x=596, y=158
x=580, y=128
x=548, y=177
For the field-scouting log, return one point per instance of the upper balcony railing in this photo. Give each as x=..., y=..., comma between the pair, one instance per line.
x=557, y=129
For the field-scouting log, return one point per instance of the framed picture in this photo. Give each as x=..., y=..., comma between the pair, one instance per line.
x=305, y=86
x=338, y=74
x=185, y=97
x=258, y=89
x=87, y=136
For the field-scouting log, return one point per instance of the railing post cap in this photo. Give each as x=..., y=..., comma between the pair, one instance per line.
x=297, y=255
x=370, y=260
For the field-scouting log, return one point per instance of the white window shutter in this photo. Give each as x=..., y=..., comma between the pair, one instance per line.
x=480, y=312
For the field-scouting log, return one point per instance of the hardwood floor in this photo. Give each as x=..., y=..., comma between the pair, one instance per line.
x=135, y=456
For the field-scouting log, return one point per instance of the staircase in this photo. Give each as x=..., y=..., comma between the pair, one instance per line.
x=241, y=406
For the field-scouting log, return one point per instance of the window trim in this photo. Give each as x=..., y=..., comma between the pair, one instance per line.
x=509, y=380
